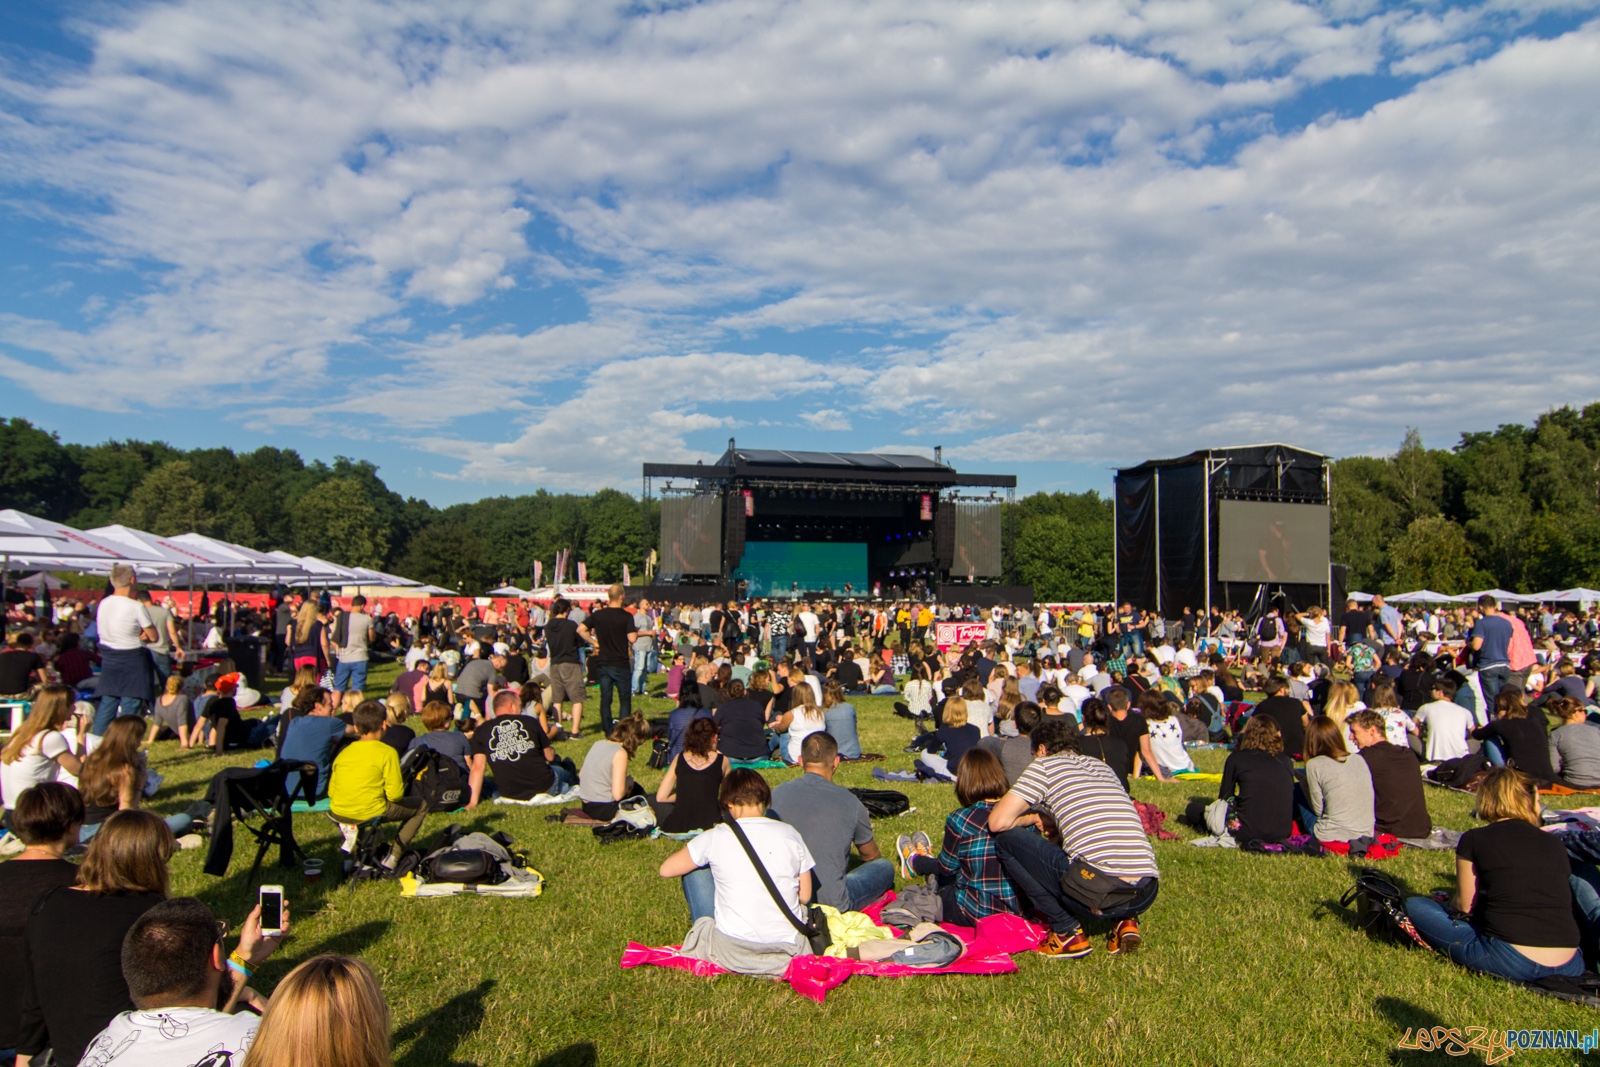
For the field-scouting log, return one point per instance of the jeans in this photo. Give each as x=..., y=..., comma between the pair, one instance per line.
x=1035, y=866
x=1494, y=753
x=110, y=708
x=347, y=676
x=1302, y=810
x=780, y=647
x=1463, y=942
x=641, y=672
x=885, y=691
x=178, y=824
x=614, y=678
x=869, y=881
x=1493, y=679
x=162, y=663
x=700, y=891
x=565, y=779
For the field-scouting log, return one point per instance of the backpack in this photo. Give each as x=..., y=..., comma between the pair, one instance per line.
x=1269, y=629
x=434, y=777
x=881, y=803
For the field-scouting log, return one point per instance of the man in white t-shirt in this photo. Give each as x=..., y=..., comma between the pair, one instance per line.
x=1446, y=721
x=174, y=964
x=127, y=676
x=810, y=626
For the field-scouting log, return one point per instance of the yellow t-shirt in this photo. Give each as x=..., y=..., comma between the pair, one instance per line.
x=366, y=776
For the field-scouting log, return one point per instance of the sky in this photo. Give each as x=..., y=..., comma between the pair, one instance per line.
x=499, y=246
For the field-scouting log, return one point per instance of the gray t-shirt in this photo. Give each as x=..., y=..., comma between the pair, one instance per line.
x=474, y=679
x=1341, y=794
x=159, y=618
x=594, y=778
x=830, y=819
x=1575, y=754
x=355, y=648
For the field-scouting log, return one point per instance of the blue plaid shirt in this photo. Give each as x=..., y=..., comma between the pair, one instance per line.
x=969, y=858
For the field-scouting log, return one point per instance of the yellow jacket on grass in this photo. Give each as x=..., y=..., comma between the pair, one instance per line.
x=366, y=776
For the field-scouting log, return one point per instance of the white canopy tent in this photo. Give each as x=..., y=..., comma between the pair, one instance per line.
x=1503, y=596
x=510, y=590
x=44, y=578
x=29, y=541
x=1361, y=598
x=1422, y=596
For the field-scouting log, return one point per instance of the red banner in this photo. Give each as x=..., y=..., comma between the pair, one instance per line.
x=959, y=634
x=927, y=507
x=749, y=503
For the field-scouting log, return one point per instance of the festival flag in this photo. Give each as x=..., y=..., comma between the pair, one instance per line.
x=627, y=579
x=583, y=572
x=538, y=572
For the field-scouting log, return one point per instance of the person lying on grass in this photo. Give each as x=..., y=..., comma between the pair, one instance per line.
x=743, y=930
x=1513, y=907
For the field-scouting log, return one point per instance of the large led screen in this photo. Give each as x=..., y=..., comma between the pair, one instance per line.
x=776, y=568
x=691, y=534
x=1280, y=543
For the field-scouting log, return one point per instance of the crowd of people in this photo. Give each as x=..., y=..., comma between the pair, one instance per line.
x=1041, y=724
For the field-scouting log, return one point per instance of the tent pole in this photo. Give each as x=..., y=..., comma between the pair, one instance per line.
x=5, y=612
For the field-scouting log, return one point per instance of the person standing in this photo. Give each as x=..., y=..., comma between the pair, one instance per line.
x=614, y=636
x=644, y=646
x=1491, y=640
x=562, y=638
x=127, y=679
x=351, y=635
x=168, y=645
x=810, y=626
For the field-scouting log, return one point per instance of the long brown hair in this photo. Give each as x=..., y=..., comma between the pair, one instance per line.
x=50, y=712
x=1262, y=733
x=109, y=765
x=1324, y=737
x=129, y=854
x=328, y=1011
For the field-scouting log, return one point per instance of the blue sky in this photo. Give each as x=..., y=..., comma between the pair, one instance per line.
x=505, y=246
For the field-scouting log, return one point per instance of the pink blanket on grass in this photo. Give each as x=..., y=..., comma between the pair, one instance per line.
x=989, y=948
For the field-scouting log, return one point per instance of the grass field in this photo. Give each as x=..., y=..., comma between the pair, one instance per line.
x=1247, y=959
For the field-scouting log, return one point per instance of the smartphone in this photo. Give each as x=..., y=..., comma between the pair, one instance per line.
x=271, y=910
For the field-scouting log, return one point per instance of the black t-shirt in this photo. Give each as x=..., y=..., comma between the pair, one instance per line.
x=1287, y=712
x=312, y=645
x=224, y=716
x=1400, y=807
x=1128, y=731
x=16, y=666
x=1356, y=623
x=561, y=640
x=1112, y=751
x=957, y=741
x=741, y=726
x=1265, y=784
x=73, y=984
x=514, y=745
x=1524, y=742
x=611, y=627
x=21, y=883
x=516, y=668
x=848, y=673
x=398, y=738
x=1522, y=890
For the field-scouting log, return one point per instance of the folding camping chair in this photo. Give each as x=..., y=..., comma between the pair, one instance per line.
x=258, y=799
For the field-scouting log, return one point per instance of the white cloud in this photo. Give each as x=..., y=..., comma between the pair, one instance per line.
x=354, y=211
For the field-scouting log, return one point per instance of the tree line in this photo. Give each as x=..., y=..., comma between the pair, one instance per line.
x=1517, y=507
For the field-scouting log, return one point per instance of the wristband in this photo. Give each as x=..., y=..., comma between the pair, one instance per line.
x=238, y=963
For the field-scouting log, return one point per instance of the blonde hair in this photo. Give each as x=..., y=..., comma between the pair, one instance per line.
x=398, y=706
x=1342, y=696
x=439, y=673
x=304, y=620
x=955, y=712
x=174, y=684
x=303, y=677
x=1507, y=793
x=350, y=700
x=328, y=1011
x=50, y=712
x=802, y=701
x=1010, y=697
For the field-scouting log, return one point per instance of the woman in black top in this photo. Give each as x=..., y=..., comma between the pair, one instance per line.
x=1264, y=780
x=1416, y=682
x=1231, y=690
x=690, y=785
x=1517, y=739
x=72, y=983
x=1098, y=742
x=46, y=819
x=1513, y=905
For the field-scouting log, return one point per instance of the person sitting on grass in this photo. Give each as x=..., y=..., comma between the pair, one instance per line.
x=1337, y=803
x=688, y=710
x=313, y=736
x=1262, y=776
x=943, y=748
x=514, y=747
x=839, y=719
x=832, y=819
x=1130, y=727
x=366, y=784
x=185, y=989
x=970, y=882
x=736, y=923
x=113, y=780
x=687, y=798
x=45, y=818
x=329, y=1010
x=1512, y=915
x=805, y=717
x=1093, y=829
x=1399, y=806
x=1015, y=752
x=1516, y=739
x=1166, y=733
x=603, y=780
x=1574, y=746
x=442, y=736
x=1098, y=741
x=40, y=751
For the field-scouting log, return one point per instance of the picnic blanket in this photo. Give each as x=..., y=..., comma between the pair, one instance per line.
x=1556, y=789
x=894, y=776
x=756, y=764
x=989, y=948
x=1196, y=776
x=300, y=807
x=541, y=799
x=1382, y=847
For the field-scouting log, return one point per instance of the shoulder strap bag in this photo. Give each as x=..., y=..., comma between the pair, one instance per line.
x=816, y=931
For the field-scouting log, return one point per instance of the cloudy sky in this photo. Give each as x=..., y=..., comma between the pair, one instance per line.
x=500, y=245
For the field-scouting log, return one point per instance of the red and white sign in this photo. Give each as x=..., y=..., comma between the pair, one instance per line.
x=959, y=634
x=927, y=507
x=749, y=502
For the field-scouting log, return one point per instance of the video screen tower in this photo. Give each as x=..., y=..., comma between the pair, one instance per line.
x=1229, y=527
x=763, y=522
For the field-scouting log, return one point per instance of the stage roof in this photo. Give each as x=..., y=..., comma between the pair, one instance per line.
x=767, y=457
x=1269, y=453
x=760, y=464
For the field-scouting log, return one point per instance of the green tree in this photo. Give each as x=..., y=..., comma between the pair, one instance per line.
x=37, y=474
x=1365, y=518
x=1434, y=553
x=170, y=501
x=336, y=521
x=1065, y=560
x=111, y=473
x=449, y=554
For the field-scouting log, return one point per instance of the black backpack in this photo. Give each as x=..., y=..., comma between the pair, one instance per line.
x=436, y=778
x=1269, y=629
x=881, y=803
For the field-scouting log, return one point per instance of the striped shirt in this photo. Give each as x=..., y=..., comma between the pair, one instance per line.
x=1096, y=817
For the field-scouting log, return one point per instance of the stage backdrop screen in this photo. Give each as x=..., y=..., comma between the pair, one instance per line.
x=1261, y=542
x=977, y=541
x=776, y=567
x=691, y=534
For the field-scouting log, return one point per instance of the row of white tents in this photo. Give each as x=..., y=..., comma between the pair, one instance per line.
x=1549, y=596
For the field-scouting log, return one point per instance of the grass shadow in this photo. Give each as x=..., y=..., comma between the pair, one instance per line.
x=583, y=1054
x=351, y=942
x=436, y=1035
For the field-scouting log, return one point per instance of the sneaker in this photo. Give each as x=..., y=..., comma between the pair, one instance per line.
x=188, y=841
x=1125, y=939
x=1072, y=947
x=920, y=840
x=349, y=833
x=902, y=848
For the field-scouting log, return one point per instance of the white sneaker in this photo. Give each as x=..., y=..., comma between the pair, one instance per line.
x=350, y=833
x=188, y=841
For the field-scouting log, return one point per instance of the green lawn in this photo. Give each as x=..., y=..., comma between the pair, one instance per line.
x=1246, y=960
